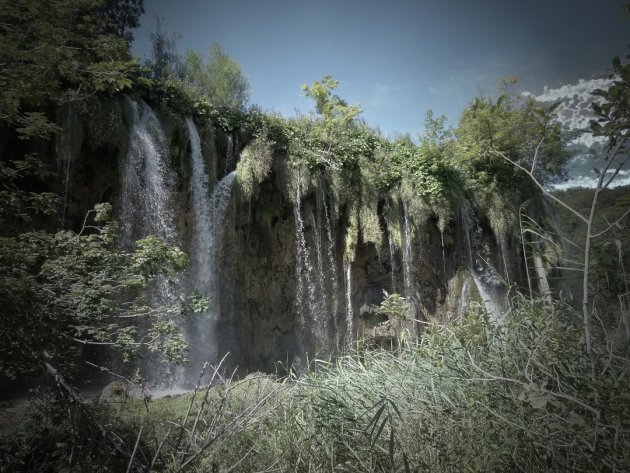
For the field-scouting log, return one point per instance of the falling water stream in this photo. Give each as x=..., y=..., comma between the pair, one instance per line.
x=147, y=183
x=332, y=261
x=206, y=232
x=147, y=195
x=305, y=297
x=349, y=309
x=147, y=200
x=407, y=256
x=478, y=263
x=392, y=263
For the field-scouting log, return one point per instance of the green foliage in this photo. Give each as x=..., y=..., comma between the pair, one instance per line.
x=352, y=235
x=471, y=396
x=254, y=166
x=217, y=78
x=64, y=290
x=67, y=50
x=120, y=16
x=17, y=205
x=370, y=226
x=614, y=113
x=523, y=131
x=336, y=139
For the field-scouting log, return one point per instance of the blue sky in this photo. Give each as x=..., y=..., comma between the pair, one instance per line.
x=398, y=58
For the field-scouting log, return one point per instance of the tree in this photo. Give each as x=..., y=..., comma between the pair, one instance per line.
x=64, y=290
x=217, y=78
x=524, y=132
x=61, y=51
x=61, y=291
x=121, y=16
x=613, y=123
x=336, y=138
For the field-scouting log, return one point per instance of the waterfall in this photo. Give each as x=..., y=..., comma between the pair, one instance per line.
x=146, y=201
x=207, y=213
x=464, y=298
x=220, y=200
x=316, y=273
x=407, y=256
x=504, y=258
x=478, y=262
x=488, y=296
x=392, y=263
x=333, y=263
x=321, y=296
x=208, y=230
x=305, y=297
x=349, y=310
x=201, y=247
x=229, y=155
x=147, y=184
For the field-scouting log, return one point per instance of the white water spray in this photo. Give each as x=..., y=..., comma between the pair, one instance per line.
x=349, y=310
x=305, y=297
x=332, y=261
x=147, y=185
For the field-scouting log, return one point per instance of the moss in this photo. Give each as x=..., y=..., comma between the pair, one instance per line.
x=418, y=210
x=352, y=235
x=254, y=166
x=393, y=219
x=370, y=225
x=298, y=180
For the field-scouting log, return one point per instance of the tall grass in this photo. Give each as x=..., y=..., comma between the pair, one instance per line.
x=468, y=397
x=471, y=396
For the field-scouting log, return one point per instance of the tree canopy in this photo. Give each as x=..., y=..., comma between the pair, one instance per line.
x=61, y=51
x=217, y=77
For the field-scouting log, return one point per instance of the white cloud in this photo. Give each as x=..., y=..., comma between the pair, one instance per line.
x=574, y=111
x=590, y=181
x=582, y=90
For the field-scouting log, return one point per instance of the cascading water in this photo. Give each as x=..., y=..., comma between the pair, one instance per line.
x=464, y=298
x=146, y=188
x=319, y=309
x=208, y=232
x=407, y=256
x=305, y=294
x=392, y=263
x=316, y=274
x=146, y=203
x=332, y=261
x=478, y=263
x=220, y=200
x=349, y=309
x=503, y=246
x=201, y=248
x=300, y=263
x=229, y=155
x=207, y=215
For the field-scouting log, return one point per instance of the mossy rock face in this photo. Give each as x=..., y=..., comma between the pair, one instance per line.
x=114, y=392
